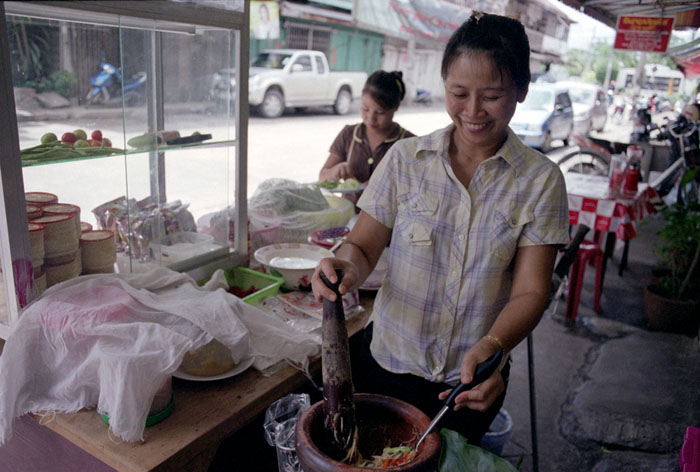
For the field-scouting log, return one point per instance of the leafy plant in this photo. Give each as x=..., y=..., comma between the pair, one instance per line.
x=680, y=251
x=63, y=83
x=29, y=44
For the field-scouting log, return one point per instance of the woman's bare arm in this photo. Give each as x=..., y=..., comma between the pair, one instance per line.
x=335, y=168
x=529, y=297
x=357, y=257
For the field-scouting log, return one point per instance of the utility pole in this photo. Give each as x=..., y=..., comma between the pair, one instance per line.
x=608, y=69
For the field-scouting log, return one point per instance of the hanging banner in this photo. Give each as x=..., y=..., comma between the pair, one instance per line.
x=430, y=20
x=643, y=33
x=264, y=20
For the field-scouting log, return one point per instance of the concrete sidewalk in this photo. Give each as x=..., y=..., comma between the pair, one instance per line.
x=611, y=395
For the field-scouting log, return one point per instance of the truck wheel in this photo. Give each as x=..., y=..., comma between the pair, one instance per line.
x=272, y=105
x=342, y=102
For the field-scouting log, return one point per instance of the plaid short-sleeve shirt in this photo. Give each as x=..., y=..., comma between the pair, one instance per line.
x=452, y=248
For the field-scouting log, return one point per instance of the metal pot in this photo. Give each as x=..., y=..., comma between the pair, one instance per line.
x=381, y=421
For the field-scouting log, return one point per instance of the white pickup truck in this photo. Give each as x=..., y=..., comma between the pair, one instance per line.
x=282, y=78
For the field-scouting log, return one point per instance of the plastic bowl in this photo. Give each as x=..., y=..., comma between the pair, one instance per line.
x=294, y=262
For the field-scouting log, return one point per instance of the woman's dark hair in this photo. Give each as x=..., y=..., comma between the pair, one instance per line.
x=502, y=38
x=386, y=88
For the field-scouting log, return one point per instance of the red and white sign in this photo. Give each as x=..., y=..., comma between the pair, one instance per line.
x=644, y=33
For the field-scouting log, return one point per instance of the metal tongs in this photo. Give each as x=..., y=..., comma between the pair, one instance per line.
x=483, y=371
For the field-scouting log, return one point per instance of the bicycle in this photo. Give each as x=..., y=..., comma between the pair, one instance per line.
x=680, y=181
x=587, y=155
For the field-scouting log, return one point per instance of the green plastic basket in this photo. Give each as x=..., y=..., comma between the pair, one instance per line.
x=267, y=285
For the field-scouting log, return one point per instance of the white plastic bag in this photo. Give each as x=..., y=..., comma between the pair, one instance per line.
x=110, y=341
x=296, y=210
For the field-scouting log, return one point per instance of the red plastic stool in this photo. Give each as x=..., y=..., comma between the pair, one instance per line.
x=588, y=253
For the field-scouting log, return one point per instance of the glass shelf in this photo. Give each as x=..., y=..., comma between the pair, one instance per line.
x=130, y=152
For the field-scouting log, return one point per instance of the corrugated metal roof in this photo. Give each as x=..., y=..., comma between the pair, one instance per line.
x=687, y=12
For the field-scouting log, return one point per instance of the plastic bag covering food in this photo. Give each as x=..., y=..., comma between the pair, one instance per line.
x=281, y=196
x=221, y=225
x=298, y=209
x=109, y=342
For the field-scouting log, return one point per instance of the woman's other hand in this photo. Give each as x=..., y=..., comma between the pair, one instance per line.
x=328, y=266
x=338, y=171
x=483, y=395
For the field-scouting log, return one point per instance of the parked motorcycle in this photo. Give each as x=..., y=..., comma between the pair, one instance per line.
x=684, y=139
x=107, y=85
x=423, y=96
x=223, y=88
x=642, y=124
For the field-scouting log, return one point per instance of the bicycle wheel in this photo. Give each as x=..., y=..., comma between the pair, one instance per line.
x=585, y=161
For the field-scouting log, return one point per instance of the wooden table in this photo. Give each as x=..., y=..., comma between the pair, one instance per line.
x=205, y=413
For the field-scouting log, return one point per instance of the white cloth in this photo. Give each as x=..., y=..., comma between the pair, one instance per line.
x=111, y=341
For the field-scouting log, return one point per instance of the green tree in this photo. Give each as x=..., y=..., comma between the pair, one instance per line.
x=29, y=43
x=597, y=57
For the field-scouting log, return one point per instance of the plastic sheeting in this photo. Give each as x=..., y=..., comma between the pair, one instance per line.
x=296, y=209
x=110, y=341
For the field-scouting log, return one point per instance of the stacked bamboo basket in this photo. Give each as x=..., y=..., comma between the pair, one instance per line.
x=62, y=246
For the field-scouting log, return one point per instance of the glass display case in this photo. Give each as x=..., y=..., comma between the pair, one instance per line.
x=132, y=117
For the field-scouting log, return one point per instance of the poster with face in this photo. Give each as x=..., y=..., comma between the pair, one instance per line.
x=264, y=20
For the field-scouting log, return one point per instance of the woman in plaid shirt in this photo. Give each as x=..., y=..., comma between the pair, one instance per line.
x=474, y=218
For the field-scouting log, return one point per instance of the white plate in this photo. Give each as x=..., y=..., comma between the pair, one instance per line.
x=344, y=191
x=237, y=369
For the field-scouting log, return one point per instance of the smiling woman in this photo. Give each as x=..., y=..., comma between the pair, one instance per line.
x=473, y=218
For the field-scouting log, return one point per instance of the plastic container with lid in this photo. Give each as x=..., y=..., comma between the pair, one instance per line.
x=60, y=236
x=40, y=199
x=65, y=209
x=36, y=244
x=33, y=211
x=98, y=250
x=161, y=406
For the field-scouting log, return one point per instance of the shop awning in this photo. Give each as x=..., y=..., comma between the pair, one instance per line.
x=687, y=57
x=686, y=12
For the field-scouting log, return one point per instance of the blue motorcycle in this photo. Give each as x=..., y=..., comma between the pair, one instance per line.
x=107, y=85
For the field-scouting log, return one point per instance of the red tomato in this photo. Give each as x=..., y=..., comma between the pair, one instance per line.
x=106, y=142
x=96, y=135
x=69, y=138
x=94, y=143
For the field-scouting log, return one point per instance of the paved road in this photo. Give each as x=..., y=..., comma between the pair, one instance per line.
x=294, y=147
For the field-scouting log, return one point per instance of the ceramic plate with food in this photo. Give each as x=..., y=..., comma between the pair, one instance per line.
x=343, y=186
x=235, y=370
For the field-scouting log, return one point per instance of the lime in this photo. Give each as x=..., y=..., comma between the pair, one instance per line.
x=48, y=138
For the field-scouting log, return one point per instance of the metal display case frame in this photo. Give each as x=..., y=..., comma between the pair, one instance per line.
x=157, y=17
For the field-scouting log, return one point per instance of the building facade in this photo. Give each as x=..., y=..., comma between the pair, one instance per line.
x=406, y=35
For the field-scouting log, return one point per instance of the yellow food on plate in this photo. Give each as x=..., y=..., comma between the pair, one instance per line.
x=211, y=359
x=349, y=184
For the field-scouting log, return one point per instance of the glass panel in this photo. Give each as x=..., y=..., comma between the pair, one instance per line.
x=117, y=84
